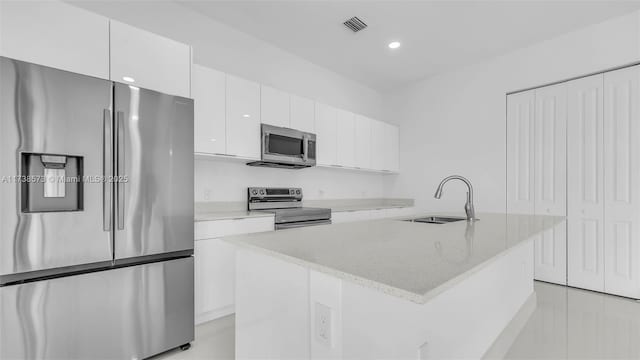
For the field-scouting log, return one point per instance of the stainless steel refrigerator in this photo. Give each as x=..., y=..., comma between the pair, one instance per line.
x=96, y=217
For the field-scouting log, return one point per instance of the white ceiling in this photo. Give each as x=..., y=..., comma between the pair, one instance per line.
x=435, y=35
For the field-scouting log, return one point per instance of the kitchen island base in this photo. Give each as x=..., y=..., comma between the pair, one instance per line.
x=287, y=310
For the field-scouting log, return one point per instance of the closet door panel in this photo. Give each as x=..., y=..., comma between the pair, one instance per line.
x=550, y=179
x=585, y=262
x=520, y=155
x=622, y=182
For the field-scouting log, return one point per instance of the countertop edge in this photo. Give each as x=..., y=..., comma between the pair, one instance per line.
x=387, y=289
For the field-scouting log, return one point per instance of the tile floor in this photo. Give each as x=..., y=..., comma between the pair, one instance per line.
x=565, y=323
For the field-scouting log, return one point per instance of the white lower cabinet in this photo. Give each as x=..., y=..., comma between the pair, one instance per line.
x=214, y=279
x=215, y=264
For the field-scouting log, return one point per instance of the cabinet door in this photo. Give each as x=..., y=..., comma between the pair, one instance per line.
x=378, y=145
x=363, y=142
x=55, y=34
x=214, y=279
x=520, y=153
x=274, y=107
x=326, y=136
x=550, y=169
x=393, y=155
x=585, y=208
x=303, y=114
x=209, y=94
x=243, y=118
x=151, y=61
x=621, y=179
x=346, y=135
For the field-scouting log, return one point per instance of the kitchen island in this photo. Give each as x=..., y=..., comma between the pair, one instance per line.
x=383, y=289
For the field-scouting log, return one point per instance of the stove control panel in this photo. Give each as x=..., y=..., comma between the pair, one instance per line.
x=260, y=194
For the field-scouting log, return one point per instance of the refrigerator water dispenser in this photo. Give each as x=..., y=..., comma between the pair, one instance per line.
x=51, y=183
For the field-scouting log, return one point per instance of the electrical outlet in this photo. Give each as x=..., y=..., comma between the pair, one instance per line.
x=323, y=324
x=207, y=194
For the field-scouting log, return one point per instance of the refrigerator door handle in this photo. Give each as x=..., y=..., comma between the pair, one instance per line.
x=107, y=169
x=120, y=168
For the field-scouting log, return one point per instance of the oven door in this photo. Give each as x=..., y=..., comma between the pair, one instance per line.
x=288, y=146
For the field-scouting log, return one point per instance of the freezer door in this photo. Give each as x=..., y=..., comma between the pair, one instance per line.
x=52, y=123
x=154, y=163
x=127, y=313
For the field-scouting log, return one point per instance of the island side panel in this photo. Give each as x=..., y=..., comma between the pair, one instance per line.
x=461, y=322
x=272, y=307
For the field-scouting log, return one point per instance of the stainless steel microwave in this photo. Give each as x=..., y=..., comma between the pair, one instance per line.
x=286, y=148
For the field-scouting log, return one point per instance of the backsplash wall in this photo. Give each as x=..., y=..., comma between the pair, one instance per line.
x=227, y=180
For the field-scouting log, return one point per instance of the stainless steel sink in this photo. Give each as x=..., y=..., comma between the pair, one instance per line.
x=437, y=219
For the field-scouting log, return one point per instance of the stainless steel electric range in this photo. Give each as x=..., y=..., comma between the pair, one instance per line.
x=286, y=204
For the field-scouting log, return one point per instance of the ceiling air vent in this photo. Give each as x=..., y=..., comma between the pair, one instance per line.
x=355, y=24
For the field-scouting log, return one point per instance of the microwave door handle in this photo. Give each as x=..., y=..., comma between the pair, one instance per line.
x=305, y=148
x=265, y=143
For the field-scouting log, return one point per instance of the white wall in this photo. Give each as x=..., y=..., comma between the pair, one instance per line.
x=228, y=180
x=456, y=122
x=221, y=47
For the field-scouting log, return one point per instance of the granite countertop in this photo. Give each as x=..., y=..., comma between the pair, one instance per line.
x=415, y=261
x=233, y=214
x=211, y=211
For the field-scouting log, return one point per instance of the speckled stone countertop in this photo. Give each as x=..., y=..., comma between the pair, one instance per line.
x=222, y=210
x=415, y=261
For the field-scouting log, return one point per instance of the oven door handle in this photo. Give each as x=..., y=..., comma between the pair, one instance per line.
x=299, y=224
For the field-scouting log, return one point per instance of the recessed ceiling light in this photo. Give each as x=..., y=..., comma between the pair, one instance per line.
x=394, y=45
x=213, y=140
x=246, y=115
x=128, y=79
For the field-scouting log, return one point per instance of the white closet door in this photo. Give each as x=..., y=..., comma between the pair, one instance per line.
x=520, y=120
x=550, y=171
x=622, y=182
x=585, y=212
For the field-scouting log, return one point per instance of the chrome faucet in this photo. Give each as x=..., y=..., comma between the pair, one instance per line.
x=468, y=207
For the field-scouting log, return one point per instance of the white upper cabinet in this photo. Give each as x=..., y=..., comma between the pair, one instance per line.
x=55, y=34
x=274, y=107
x=378, y=146
x=393, y=152
x=520, y=152
x=152, y=61
x=326, y=132
x=585, y=174
x=550, y=171
x=302, y=114
x=209, y=94
x=243, y=118
x=346, y=135
x=622, y=179
x=363, y=142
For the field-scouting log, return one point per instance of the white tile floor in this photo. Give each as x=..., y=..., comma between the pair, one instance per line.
x=566, y=323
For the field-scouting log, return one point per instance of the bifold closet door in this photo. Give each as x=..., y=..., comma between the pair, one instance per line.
x=520, y=131
x=550, y=181
x=585, y=210
x=622, y=182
